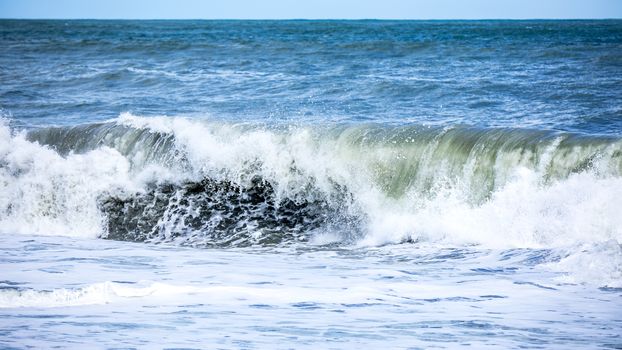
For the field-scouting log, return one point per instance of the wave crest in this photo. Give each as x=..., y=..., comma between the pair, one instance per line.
x=211, y=183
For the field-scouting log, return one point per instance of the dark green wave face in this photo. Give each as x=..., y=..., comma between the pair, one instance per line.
x=561, y=75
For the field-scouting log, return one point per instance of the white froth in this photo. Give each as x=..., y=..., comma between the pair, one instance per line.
x=45, y=193
x=524, y=213
x=112, y=292
x=596, y=264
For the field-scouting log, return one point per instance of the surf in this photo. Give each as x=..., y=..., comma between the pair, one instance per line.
x=213, y=183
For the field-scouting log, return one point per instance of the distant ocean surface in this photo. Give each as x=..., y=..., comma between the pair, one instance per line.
x=311, y=184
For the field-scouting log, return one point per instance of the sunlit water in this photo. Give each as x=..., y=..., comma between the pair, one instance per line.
x=305, y=184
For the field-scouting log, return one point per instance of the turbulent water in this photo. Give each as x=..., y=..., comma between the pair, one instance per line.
x=285, y=184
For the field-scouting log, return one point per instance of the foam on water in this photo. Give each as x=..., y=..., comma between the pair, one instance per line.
x=419, y=295
x=112, y=292
x=522, y=213
x=45, y=193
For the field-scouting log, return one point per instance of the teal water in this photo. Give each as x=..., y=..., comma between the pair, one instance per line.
x=305, y=184
x=561, y=75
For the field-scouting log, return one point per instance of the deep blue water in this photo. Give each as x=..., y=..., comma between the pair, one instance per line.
x=561, y=75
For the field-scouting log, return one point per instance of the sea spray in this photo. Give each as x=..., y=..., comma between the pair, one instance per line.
x=213, y=183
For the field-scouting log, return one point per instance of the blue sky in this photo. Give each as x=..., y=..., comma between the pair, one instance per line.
x=268, y=9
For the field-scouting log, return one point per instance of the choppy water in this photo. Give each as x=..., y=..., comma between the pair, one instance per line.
x=295, y=184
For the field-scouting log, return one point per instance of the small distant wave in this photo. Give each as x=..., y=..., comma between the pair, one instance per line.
x=93, y=294
x=117, y=292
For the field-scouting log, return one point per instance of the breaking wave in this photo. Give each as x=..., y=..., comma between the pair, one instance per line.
x=212, y=183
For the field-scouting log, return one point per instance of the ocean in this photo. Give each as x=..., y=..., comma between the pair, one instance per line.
x=310, y=184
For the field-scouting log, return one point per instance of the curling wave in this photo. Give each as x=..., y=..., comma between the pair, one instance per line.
x=210, y=183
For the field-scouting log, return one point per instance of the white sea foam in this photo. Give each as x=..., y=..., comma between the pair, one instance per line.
x=524, y=213
x=111, y=292
x=598, y=264
x=45, y=193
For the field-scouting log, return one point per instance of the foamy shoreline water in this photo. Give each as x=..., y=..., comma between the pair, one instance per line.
x=400, y=295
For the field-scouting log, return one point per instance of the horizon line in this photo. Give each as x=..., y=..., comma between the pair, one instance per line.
x=313, y=19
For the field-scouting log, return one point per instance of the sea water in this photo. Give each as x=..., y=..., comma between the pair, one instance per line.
x=311, y=184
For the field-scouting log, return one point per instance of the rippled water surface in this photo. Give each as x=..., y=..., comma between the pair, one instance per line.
x=67, y=292
x=563, y=75
x=311, y=184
